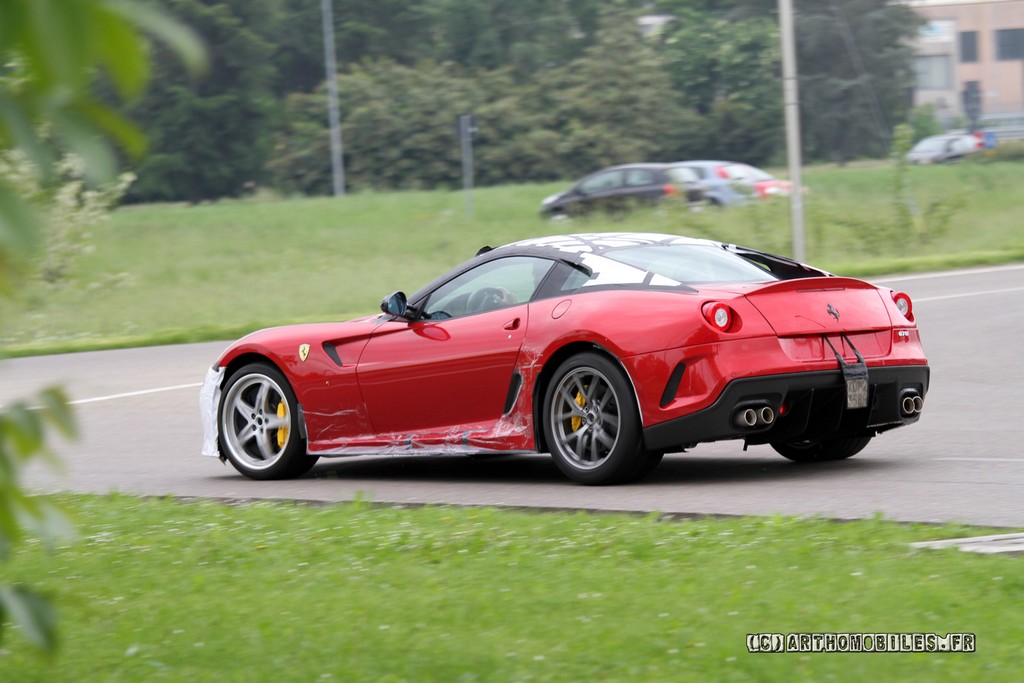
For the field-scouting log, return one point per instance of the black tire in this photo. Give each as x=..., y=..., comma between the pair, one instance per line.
x=258, y=425
x=821, y=451
x=651, y=461
x=592, y=424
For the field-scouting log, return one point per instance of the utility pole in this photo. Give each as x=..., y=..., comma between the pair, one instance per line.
x=791, y=100
x=466, y=130
x=333, y=118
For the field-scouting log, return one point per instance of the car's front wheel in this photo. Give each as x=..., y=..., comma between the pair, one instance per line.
x=258, y=424
x=820, y=451
x=592, y=424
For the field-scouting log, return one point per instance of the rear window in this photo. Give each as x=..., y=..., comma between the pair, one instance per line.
x=744, y=172
x=660, y=265
x=690, y=263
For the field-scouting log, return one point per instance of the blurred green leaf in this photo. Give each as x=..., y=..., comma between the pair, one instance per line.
x=19, y=231
x=55, y=44
x=122, y=51
x=16, y=129
x=55, y=402
x=109, y=121
x=182, y=40
x=47, y=522
x=96, y=153
x=23, y=429
x=18, y=223
x=32, y=613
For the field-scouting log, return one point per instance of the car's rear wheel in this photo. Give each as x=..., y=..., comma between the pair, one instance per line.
x=820, y=451
x=258, y=424
x=592, y=424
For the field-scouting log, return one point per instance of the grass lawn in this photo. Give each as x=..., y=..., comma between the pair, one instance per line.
x=163, y=590
x=169, y=273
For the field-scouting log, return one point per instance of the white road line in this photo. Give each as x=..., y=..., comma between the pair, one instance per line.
x=953, y=273
x=129, y=394
x=1019, y=460
x=960, y=296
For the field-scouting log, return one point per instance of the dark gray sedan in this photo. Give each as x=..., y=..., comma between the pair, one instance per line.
x=621, y=188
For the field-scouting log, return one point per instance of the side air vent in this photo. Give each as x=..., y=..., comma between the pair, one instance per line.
x=332, y=353
x=513, y=392
x=673, y=384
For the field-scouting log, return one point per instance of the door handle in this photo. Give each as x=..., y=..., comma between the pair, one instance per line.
x=512, y=324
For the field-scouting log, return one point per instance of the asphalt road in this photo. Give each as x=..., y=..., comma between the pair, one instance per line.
x=139, y=418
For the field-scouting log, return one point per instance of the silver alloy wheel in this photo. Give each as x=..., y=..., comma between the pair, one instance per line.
x=584, y=418
x=255, y=421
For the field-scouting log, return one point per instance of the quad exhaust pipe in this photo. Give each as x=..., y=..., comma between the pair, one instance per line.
x=754, y=417
x=911, y=404
x=745, y=418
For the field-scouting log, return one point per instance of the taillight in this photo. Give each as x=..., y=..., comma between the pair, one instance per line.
x=670, y=190
x=904, y=304
x=719, y=316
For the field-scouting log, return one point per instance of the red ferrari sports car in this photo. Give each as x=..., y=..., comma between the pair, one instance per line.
x=604, y=350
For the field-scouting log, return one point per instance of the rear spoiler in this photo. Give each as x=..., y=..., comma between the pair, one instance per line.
x=779, y=266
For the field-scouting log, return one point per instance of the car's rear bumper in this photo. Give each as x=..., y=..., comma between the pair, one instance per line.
x=806, y=406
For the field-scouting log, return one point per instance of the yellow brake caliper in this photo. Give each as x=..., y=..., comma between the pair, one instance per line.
x=576, y=422
x=282, y=432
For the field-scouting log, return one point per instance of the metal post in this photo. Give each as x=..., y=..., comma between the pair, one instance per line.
x=466, y=130
x=791, y=99
x=337, y=166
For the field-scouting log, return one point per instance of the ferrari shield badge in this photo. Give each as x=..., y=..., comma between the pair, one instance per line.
x=303, y=351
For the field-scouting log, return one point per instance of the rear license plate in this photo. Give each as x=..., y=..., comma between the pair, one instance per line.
x=856, y=393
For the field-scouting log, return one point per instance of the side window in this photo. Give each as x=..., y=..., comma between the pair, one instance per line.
x=639, y=177
x=739, y=172
x=602, y=182
x=681, y=174
x=576, y=279
x=489, y=286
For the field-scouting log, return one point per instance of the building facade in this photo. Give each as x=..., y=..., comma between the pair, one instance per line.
x=974, y=47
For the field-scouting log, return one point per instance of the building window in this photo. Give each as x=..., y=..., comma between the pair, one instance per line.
x=934, y=72
x=968, y=47
x=1010, y=44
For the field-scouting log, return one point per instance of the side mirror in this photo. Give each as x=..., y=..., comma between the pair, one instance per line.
x=395, y=304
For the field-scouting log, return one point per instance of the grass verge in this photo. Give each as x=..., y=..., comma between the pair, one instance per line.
x=164, y=590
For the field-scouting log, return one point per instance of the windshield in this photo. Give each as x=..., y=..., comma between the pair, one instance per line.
x=930, y=145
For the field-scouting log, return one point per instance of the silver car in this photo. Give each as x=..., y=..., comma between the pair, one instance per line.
x=939, y=149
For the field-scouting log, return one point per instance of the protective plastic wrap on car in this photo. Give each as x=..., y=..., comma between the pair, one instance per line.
x=453, y=442
x=209, y=397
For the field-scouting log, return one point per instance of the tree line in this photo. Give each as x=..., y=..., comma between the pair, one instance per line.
x=559, y=87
